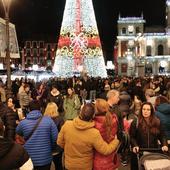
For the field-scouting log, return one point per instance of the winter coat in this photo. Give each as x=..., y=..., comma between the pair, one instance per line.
x=59, y=121
x=39, y=145
x=12, y=156
x=163, y=112
x=145, y=139
x=9, y=118
x=24, y=99
x=115, y=110
x=71, y=107
x=79, y=138
x=58, y=100
x=103, y=161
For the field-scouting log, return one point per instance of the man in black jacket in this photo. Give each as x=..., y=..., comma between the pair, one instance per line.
x=12, y=155
x=9, y=120
x=113, y=97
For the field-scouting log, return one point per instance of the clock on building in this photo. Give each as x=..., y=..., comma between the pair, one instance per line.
x=130, y=28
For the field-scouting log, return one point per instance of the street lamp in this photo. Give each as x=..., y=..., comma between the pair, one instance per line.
x=6, y=5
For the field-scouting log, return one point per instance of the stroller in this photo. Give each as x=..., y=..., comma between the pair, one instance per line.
x=153, y=159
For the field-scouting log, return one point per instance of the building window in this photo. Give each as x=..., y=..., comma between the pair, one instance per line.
x=35, y=61
x=49, y=47
x=160, y=49
x=34, y=44
x=28, y=44
x=137, y=30
x=35, y=52
x=148, y=50
x=49, y=56
x=41, y=44
x=123, y=30
x=28, y=51
x=28, y=61
x=41, y=61
x=41, y=52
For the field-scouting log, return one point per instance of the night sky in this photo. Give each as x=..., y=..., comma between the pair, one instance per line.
x=41, y=19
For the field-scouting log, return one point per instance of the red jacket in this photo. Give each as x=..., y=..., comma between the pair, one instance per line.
x=111, y=161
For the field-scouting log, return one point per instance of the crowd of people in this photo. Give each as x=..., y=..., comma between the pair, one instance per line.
x=83, y=123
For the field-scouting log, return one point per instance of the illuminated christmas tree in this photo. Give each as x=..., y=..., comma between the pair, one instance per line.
x=79, y=48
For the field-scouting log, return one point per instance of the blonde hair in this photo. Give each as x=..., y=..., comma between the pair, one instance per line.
x=101, y=106
x=51, y=110
x=112, y=93
x=149, y=92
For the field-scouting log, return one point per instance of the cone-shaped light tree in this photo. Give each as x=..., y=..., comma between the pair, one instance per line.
x=79, y=47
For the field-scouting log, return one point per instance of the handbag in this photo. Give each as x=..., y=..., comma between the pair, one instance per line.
x=27, y=166
x=20, y=139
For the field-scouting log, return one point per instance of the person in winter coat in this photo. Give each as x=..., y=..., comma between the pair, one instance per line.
x=145, y=132
x=39, y=145
x=52, y=111
x=79, y=138
x=55, y=96
x=162, y=107
x=8, y=117
x=71, y=104
x=25, y=98
x=106, y=123
x=113, y=97
x=12, y=155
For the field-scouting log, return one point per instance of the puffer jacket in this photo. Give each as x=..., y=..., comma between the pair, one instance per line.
x=79, y=139
x=103, y=161
x=12, y=156
x=163, y=112
x=39, y=145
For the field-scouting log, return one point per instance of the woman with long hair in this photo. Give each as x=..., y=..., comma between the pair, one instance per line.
x=71, y=104
x=52, y=111
x=106, y=123
x=145, y=132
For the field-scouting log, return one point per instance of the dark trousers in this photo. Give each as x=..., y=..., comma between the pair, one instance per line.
x=134, y=161
x=57, y=160
x=45, y=167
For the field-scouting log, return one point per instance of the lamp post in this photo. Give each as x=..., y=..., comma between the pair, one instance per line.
x=6, y=5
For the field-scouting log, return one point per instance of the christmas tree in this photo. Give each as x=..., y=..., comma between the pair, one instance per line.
x=79, y=47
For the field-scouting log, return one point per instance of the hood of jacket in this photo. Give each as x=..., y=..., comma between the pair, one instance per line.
x=5, y=146
x=164, y=108
x=33, y=115
x=81, y=124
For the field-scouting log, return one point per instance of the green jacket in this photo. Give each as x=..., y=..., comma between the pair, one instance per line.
x=71, y=107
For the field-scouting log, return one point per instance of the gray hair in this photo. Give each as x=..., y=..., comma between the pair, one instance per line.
x=112, y=93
